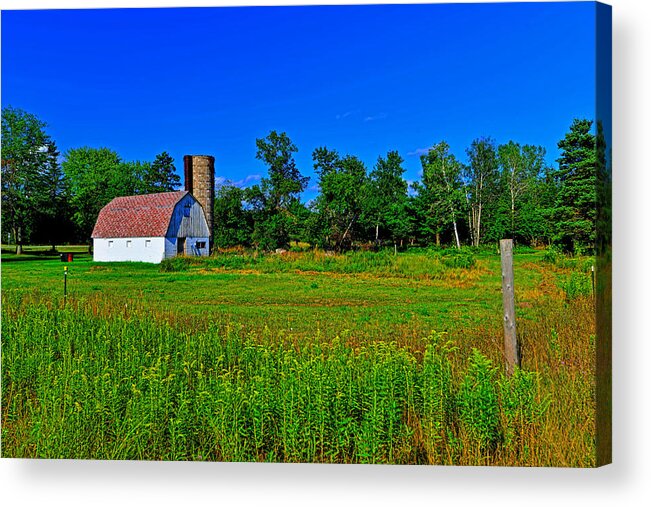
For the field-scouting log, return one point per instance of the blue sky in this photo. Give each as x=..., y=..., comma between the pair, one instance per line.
x=359, y=79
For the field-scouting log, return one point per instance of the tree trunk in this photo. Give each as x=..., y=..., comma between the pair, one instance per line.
x=438, y=239
x=456, y=234
x=377, y=232
x=480, y=188
x=478, y=225
x=471, y=226
x=350, y=224
x=18, y=236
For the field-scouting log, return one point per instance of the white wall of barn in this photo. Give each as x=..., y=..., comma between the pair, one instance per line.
x=129, y=249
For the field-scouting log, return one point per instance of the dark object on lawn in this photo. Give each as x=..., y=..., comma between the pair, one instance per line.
x=67, y=257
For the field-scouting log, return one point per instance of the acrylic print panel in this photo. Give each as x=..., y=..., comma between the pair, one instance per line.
x=407, y=215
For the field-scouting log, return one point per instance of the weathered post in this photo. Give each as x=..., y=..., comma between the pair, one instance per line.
x=511, y=346
x=65, y=284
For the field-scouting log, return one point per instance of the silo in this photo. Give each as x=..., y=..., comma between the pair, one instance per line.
x=200, y=182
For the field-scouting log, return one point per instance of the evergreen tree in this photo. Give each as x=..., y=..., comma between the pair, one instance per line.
x=604, y=196
x=576, y=202
x=29, y=155
x=53, y=223
x=160, y=175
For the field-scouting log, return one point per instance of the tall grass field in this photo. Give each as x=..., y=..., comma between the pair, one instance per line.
x=365, y=357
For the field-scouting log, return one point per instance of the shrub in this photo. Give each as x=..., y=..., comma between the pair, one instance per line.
x=459, y=260
x=438, y=394
x=478, y=403
x=174, y=265
x=552, y=254
x=576, y=285
x=521, y=409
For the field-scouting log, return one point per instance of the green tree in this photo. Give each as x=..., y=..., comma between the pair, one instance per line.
x=441, y=191
x=341, y=197
x=604, y=192
x=233, y=223
x=300, y=215
x=52, y=222
x=535, y=222
x=481, y=179
x=386, y=197
x=575, y=208
x=96, y=176
x=520, y=169
x=160, y=175
x=274, y=199
x=429, y=222
x=29, y=155
x=133, y=178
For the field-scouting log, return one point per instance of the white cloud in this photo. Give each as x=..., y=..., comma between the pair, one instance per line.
x=347, y=114
x=244, y=182
x=420, y=151
x=379, y=116
x=252, y=177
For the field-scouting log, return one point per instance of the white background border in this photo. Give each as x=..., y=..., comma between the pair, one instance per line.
x=626, y=482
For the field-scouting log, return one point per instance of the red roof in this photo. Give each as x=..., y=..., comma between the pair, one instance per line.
x=137, y=216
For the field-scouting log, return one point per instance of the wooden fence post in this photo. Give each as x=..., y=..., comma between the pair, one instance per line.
x=511, y=346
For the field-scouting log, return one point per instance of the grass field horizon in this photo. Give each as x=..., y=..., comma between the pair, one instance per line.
x=309, y=356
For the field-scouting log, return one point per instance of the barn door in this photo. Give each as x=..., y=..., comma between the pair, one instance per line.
x=180, y=246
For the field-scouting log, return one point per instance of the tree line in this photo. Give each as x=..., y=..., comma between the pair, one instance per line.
x=498, y=191
x=494, y=192
x=49, y=198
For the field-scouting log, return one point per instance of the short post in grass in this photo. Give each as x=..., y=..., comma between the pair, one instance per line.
x=592, y=279
x=511, y=345
x=65, y=284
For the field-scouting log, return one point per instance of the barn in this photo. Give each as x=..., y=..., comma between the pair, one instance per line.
x=150, y=228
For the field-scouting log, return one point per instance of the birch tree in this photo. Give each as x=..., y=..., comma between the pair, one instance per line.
x=442, y=189
x=520, y=168
x=481, y=177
